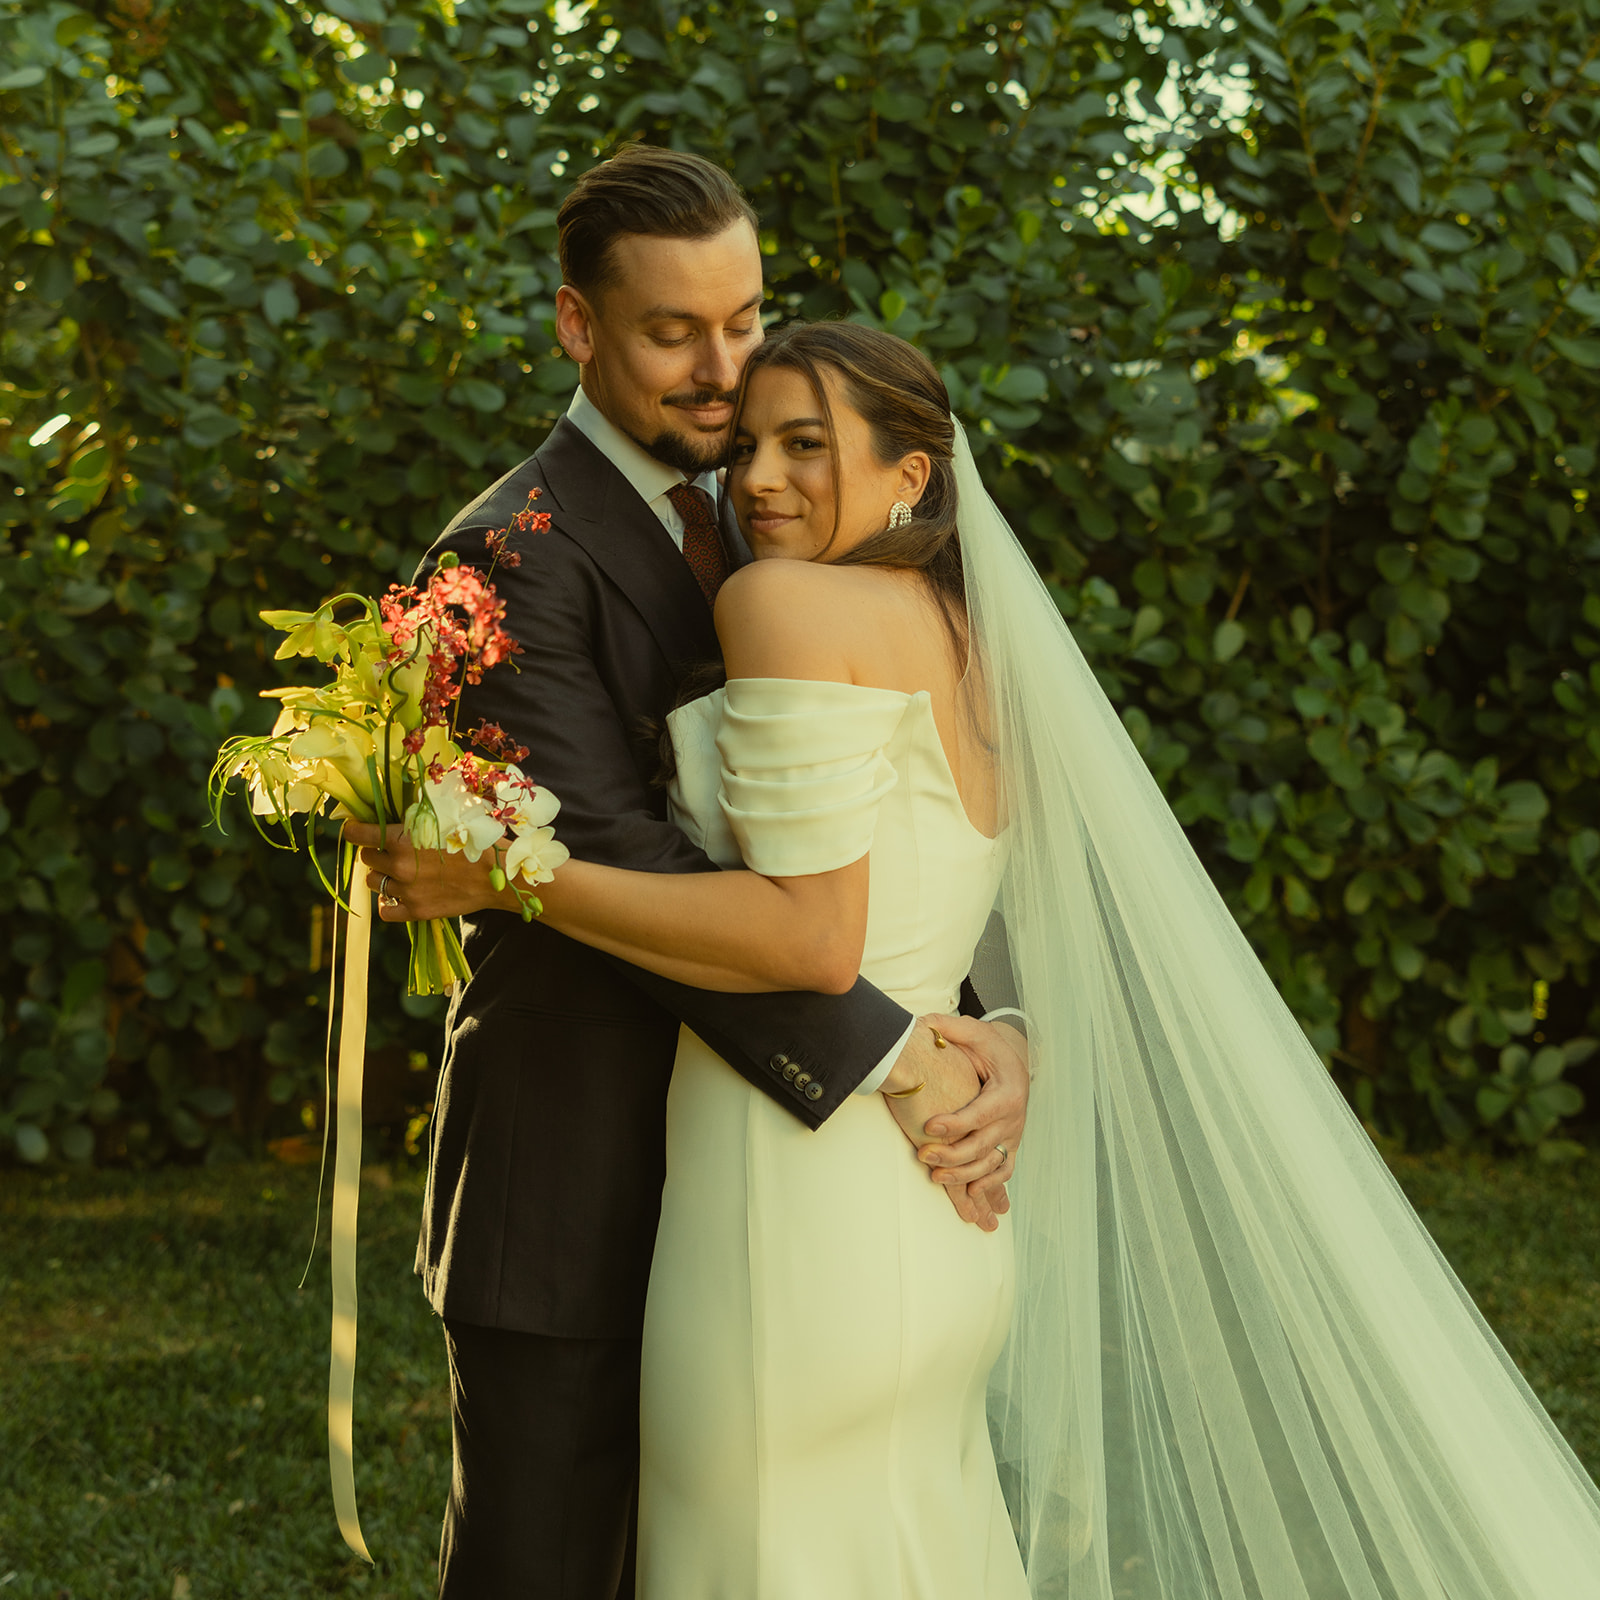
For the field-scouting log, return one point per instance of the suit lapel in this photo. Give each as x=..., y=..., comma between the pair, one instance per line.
x=600, y=510
x=733, y=545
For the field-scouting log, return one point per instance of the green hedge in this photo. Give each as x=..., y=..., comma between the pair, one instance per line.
x=1277, y=323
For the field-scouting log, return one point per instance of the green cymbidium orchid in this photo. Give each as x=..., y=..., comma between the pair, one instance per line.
x=310, y=633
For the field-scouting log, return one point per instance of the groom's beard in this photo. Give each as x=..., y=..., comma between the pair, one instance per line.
x=692, y=453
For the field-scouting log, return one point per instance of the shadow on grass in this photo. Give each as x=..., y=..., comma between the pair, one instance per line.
x=163, y=1430
x=1524, y=1238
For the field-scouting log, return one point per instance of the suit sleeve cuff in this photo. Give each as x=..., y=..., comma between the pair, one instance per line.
x=874, y=1079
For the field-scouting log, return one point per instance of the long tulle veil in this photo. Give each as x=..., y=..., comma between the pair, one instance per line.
x=1239, y=1367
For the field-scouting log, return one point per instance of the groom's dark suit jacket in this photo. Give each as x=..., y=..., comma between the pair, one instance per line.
x=548, y=1141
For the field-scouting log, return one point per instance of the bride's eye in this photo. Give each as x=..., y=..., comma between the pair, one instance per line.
x=805, y=445
x=741, y=453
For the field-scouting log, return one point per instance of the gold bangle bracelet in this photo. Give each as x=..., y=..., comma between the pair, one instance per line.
x=939, y=1043
x=905, y=1094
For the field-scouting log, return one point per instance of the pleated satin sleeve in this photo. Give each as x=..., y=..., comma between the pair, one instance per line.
x=804, y=770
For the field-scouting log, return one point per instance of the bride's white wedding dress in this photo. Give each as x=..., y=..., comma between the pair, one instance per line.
x=821, y=1325
x=1238, y=1368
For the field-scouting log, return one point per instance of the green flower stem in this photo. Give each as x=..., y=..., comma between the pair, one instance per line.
x=437, y=959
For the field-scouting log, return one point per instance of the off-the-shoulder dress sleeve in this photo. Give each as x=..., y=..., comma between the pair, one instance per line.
x=804, y=770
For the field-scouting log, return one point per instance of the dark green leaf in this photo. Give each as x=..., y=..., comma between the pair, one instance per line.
x=367, y=68
x=148, y=295
x=1583, y=352
x=32, y=1145
x=479, y=394
x=1228, y=641
x=1020, y=384
x=207, y=426
x=278, y=302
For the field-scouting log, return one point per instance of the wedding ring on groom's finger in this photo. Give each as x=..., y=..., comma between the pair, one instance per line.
x=1003, y=1153
x=384, y=897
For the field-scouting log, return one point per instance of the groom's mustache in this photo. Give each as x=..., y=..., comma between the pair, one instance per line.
x=702, y=397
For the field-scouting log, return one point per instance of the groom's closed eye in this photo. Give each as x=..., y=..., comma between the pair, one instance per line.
x=736, y=333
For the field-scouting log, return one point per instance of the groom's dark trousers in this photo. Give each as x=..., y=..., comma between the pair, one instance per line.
x=548, y=1140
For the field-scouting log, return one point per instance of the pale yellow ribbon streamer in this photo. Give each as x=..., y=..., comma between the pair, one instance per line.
x=346, y=1194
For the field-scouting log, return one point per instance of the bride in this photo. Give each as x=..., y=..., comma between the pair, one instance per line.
x=1210, y=1352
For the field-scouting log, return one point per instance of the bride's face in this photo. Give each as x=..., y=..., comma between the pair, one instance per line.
x=793, y=485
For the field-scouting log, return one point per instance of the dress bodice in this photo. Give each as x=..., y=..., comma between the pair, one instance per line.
x=792, y=777
x=822, y=1324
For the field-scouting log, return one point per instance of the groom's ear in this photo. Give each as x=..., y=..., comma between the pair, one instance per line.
x=574, y=324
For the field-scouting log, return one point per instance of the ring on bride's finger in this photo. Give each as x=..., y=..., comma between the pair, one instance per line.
x=384, y=897
x=1004, y=1153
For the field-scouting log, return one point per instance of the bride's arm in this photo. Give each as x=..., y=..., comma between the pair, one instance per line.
x=737, y=932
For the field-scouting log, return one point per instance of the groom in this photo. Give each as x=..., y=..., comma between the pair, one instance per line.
x=546, y=1161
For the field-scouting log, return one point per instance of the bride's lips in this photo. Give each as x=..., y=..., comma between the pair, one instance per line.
x=768, y=521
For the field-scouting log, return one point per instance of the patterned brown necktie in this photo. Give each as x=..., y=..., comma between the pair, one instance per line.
x=702, y=542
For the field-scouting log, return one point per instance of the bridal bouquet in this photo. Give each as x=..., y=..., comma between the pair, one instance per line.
x=378, y=743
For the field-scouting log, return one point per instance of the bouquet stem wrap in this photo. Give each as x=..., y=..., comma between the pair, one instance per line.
x=346, y=1197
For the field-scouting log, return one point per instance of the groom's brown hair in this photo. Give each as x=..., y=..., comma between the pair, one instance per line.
x=642, y=189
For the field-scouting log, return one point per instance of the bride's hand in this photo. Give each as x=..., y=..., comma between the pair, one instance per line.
x=977, y=1145
x=416, y=885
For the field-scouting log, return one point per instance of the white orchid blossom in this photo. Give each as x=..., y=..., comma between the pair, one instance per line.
x=535, y=807
x=422, y=824
x=453, y=818
x=535, y=854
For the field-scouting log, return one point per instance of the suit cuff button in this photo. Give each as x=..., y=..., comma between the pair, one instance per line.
x=791, y=1071
x=778, y=1062
x=813, y=1091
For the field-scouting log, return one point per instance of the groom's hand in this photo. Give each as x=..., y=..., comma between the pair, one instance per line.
x=976, y=1147
x=927, y=1083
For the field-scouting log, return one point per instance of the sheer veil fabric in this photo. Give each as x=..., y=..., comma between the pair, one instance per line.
x=1239, y=1368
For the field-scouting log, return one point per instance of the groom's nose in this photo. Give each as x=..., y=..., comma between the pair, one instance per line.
x=715, y=366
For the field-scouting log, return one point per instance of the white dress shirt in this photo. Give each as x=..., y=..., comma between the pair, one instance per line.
x=650, y=480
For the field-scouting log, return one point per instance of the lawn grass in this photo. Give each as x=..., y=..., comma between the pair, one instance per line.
x=163, y=1432
x=1524, y=1237
x=162, y=1383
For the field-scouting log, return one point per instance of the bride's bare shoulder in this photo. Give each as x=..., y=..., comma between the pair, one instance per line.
x=796, y=619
